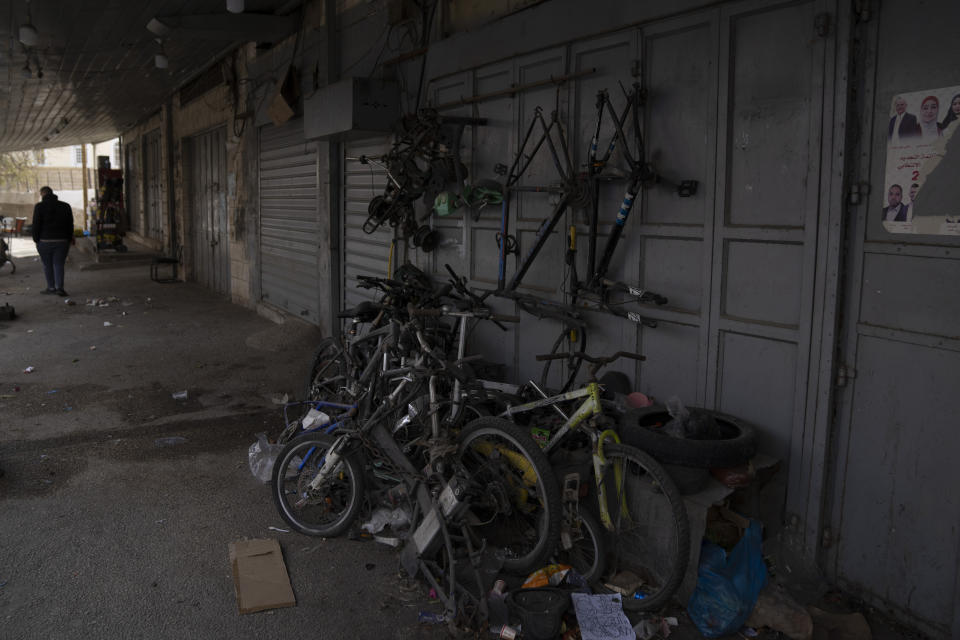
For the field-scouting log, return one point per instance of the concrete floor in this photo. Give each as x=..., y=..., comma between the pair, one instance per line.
x=104, y=533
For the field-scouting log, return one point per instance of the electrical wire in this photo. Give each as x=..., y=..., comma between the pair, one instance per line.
x=425, y=40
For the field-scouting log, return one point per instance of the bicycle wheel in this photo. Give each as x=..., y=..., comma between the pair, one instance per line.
x=650, y=538
x=563, y=343
x=515, y=501
x=327, y=510
x=588, y=551
x=328, y=373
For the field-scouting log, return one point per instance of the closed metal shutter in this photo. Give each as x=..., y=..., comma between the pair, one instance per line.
x=363, y=253
x=207, y=215
x=133, y=187
x=153, y=209
x=289, y=220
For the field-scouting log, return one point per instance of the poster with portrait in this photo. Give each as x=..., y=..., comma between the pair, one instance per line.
x=921, y=192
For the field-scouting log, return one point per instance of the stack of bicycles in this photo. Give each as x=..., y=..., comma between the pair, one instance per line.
x=407, y=425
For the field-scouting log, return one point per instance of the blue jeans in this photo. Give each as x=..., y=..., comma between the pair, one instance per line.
x=53, y=255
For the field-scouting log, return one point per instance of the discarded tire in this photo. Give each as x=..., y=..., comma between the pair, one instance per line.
x=722, y=440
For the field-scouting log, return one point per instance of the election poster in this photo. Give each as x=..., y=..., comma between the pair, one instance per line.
x=921, y=191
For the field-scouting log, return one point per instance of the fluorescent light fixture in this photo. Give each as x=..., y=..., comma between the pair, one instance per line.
x=157, y=28
x=160, y=60
x=235, y=6
x=29, y=35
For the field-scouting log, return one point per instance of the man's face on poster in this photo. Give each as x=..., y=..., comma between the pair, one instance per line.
x=894, y=195
x=900, y=105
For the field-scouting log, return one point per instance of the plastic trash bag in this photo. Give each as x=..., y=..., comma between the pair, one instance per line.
x=396, y=518
x=694, y=425
x=261, y=456
x=728, y=584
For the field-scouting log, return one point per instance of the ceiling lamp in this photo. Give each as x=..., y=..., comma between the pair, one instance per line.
x=235, y=6
x=160, y=59
x=157, y=28
x=28, y=33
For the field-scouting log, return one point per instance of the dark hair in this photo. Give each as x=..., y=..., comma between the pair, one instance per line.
x=897, y=186
x=951, y=116
x=46, y=191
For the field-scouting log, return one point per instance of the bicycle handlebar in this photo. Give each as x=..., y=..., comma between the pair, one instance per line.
x=436, y=312
x=589, y=358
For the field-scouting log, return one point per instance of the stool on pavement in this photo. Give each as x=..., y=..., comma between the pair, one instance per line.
x=170, y=265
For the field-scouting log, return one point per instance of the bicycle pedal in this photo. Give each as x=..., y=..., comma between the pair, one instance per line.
x=687, y=188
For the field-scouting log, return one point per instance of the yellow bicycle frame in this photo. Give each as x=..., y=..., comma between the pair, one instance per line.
x=590, y=407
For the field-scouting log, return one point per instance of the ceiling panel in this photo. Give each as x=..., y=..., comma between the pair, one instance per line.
x=92, y=73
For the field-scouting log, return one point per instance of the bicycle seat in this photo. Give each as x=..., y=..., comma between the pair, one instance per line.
x=364, y=312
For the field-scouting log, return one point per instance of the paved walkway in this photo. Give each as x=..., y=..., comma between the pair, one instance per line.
x=106, y=534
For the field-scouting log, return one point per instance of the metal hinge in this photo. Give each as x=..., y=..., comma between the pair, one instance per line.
x=821, y=24
x=845, y=373
x=858, y=191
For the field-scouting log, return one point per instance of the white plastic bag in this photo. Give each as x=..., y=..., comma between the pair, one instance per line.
x=314, y=418
x=262, y=455
x=397, y=519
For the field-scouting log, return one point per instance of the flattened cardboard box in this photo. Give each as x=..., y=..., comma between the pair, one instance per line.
x=260, y=576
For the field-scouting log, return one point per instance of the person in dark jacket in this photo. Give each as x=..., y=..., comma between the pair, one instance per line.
x=53, y=233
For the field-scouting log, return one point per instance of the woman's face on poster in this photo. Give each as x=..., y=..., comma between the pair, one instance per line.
x=929, y=110
x=955, y=105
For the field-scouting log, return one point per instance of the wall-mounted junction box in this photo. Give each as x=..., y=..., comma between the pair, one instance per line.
x=353, y=107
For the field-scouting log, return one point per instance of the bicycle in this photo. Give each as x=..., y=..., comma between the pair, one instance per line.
x=624, y=552
x=461, y=488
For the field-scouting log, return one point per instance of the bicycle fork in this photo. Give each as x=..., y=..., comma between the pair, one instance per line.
x=599, y=473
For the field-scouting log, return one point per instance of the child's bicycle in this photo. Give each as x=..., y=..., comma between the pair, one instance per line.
x=641, y=545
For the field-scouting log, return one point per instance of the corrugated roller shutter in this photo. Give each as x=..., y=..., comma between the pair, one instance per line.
x=363, y=253
x=289, y=220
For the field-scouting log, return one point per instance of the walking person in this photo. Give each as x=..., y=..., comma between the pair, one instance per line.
x=53, y=234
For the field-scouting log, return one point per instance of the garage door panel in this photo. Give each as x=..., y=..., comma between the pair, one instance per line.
x=899, y=493
x=678, y=127
x=673, y=361
x=907, y=292
x=762, y=282
x=771, y=116
x=761, y=387
x=289, y=220
x=673, y=267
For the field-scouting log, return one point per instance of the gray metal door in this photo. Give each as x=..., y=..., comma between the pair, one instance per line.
x=133, y=186
x=895, y=521
x=289, y=222
x=152, y=172
x=363, y=253
x=207, y=213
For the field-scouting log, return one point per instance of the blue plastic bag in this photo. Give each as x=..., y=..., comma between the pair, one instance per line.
x=728, y=585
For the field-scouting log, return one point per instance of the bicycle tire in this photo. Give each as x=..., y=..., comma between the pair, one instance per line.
x=650, y=540
x=515, y=501
x=328, y=372
x=326, y=512
x=736, y=445
x=573, y=363
x=588, y=554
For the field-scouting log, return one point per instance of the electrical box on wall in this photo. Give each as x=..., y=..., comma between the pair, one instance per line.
x=353, y=107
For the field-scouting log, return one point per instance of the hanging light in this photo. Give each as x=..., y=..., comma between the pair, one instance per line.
x=235, y=6
x=160, y=59
x=157, y=28
x=26, y=71
x=28, y=33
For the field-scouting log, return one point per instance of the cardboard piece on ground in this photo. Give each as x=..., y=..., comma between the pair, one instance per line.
x=260, y=576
